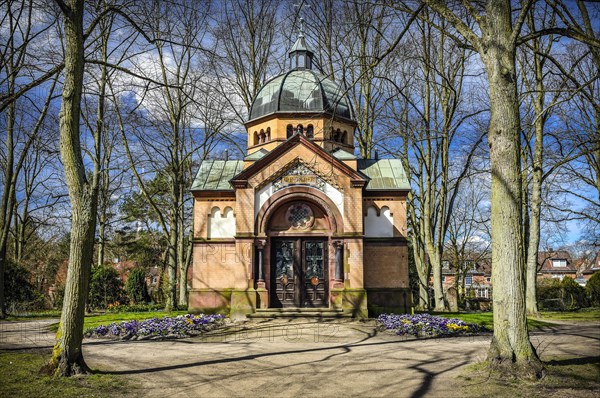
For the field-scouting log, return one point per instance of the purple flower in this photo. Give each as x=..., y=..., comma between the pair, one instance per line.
x=427, y=325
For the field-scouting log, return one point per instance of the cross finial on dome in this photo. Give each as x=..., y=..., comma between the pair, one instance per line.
x=301, y=6
x=301, y=28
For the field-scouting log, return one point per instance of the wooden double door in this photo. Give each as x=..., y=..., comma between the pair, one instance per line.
x=299, y=273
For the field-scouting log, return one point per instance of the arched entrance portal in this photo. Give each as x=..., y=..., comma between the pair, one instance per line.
x=299, y=252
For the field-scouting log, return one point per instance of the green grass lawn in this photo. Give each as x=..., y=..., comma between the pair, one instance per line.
x=546, y=318
x=584, y=314
x=486, y=319
x=20, y=377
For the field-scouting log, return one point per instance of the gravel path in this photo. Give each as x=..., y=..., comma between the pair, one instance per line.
x=298, y=358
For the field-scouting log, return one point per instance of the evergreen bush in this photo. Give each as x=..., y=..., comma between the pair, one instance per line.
x=136, y=288
x=106, y=287
x=593, y=289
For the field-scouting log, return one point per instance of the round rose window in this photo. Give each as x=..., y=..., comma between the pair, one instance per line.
x=300, y=216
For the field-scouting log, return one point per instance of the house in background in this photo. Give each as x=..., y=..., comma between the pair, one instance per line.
x=476, y=274
x=556, y=264
x=588, y=268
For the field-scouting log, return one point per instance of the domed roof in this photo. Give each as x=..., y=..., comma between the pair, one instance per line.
x=301, y=90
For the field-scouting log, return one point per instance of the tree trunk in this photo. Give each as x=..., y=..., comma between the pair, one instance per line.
x=171, y=285
x=510, y=343
x=67, y=357
x=533, y=242
x=7, y=204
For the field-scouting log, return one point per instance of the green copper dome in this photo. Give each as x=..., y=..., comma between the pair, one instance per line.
x=301, y=90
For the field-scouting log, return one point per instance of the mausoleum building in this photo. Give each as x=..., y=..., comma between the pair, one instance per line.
x=301, y=223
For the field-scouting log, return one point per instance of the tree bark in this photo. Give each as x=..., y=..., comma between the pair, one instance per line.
x=67, y=356
x=533, y=242
x=510, y=343
x=510, y=348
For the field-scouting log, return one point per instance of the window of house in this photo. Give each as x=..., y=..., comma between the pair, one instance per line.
x=445, y=264
x=154, y=281
x=300, y=129
x=470, y=264
x=289, y=131
x=559, y=263
x=469, y=280
x=488, y=279
x=443, y=279
x=310, y=131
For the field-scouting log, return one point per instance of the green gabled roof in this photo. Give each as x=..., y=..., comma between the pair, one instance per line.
x=214, y=175
x=384, y=174
x=343, y=155
x=257, y=155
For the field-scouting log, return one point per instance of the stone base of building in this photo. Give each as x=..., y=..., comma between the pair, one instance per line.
x=389, y=300
x=235, y=303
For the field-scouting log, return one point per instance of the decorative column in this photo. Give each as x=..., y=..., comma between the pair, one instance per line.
x=339, y=260
x=261, y=290
x=260, y=247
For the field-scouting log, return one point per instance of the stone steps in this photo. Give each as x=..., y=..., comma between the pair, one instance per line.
x=321, y=313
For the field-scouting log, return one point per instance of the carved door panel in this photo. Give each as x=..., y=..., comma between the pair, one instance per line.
x=299, y=273
x=284, y=274
x=314, y=273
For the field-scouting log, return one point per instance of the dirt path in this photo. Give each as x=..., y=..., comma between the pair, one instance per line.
x=293, y=358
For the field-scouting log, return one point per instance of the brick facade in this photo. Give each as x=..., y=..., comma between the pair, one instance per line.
x=296, y=237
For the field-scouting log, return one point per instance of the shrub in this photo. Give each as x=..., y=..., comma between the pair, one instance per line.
x=554, y=294
x=20, y=294
x=573, y=294
x=593, y=289
x=105, y=287
x=136, y=288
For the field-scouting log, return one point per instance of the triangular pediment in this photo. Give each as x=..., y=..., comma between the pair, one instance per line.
x=298, y=165
x=299, y=172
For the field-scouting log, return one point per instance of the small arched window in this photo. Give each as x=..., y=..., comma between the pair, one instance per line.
x=255, y=138
x=337, y=135
x=289, y=131
x=268, y=133
x=300, y=129
x=344, y=138
x=310, y=131
x=262, y=136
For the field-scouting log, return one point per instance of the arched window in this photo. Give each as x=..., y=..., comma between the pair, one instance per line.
x=344, y=137
x=290, y=131
x=268, y=133
x=262, y=136
x=337, y=135
x=299, y=129
x=310, y=131
x=255, y=138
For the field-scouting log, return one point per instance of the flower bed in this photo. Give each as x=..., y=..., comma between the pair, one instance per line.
x=159, y=328
x=425, y=325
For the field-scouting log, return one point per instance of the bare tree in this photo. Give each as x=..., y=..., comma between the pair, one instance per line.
x=245, y=41
x=167, y=137
x=430, y=117
x=497, y=41
x=67, y=356
x=20, y=55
